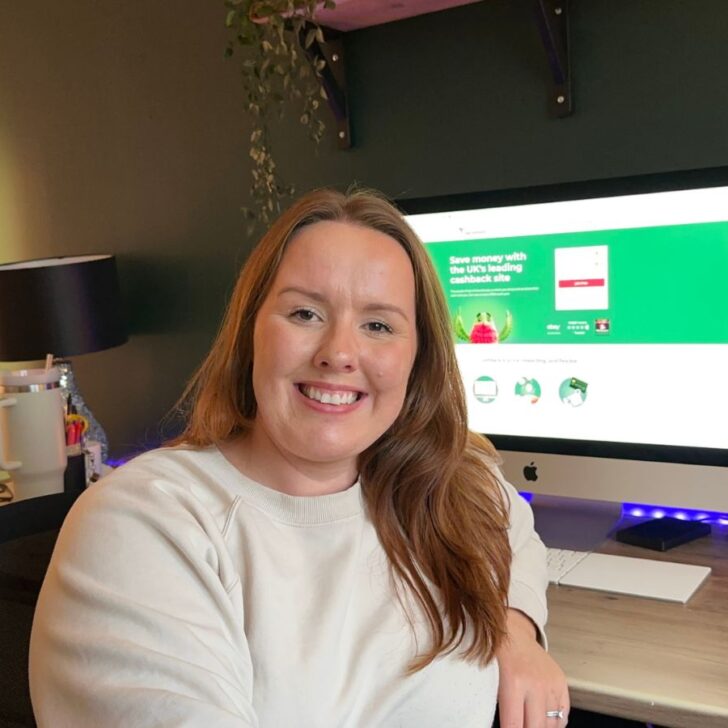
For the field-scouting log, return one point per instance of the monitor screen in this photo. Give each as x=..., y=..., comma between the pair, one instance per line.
x=591, y=329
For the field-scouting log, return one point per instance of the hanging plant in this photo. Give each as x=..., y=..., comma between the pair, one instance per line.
x=279, y=74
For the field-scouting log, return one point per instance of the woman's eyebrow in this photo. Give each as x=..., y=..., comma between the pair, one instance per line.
x=315, y=295
x=373, y=307
x=370, y=307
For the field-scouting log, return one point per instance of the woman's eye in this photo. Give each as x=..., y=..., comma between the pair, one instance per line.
x=304, y=314
x=379, y=327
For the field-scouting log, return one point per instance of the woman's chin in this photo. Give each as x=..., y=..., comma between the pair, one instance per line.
x=331, y=455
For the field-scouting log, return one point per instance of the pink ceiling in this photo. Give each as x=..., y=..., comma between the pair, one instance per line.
x=353, y=14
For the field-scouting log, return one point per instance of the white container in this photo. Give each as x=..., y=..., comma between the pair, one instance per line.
x=32, y=431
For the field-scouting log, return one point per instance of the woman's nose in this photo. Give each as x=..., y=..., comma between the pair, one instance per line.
x=338, y=350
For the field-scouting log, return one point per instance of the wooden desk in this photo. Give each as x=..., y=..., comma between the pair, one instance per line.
x=658, y=662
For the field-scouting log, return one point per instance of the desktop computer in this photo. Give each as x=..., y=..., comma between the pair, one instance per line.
x=591, y=329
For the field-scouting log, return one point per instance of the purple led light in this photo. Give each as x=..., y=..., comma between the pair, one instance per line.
x=118, y=462
x=639, y=510
x=644, y=511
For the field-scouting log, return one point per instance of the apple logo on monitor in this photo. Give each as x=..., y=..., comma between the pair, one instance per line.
x=529, y=472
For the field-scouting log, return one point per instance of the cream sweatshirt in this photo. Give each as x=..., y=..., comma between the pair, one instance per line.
x=181, y=593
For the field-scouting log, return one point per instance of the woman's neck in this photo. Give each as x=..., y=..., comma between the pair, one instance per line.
x=259, y=459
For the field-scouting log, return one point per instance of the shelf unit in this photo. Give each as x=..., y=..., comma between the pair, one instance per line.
x=551, y=16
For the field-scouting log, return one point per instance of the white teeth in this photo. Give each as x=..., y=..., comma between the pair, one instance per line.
x=327, y=397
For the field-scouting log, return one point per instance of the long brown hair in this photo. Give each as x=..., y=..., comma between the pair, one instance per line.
x=430, y=493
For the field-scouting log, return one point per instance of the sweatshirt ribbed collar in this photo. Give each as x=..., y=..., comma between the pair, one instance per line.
x=293, y=509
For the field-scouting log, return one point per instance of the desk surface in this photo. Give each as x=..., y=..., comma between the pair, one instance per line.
x=643, y=659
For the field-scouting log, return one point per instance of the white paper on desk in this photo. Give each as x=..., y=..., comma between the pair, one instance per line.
x=664, y=580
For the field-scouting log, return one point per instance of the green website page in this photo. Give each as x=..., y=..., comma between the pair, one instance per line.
x=610, y=334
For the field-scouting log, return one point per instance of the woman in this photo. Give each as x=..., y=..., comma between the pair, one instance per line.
x=325, y=544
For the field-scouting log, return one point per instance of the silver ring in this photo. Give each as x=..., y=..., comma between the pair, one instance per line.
x=555, y=714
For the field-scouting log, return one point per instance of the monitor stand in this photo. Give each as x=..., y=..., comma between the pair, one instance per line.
x=574, y=523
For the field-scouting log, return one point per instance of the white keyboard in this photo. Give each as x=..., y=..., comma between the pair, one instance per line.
x=649, y=578
x=561, y=561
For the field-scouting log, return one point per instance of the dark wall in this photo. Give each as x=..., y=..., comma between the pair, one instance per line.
x=121, y=130
x=456, y=101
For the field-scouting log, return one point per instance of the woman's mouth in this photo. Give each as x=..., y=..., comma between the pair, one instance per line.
x=330, y=396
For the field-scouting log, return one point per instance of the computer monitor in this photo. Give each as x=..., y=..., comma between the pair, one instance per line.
x=591, y=322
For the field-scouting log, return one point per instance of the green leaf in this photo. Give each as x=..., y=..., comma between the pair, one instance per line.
x=275, y=73
x=264, y=11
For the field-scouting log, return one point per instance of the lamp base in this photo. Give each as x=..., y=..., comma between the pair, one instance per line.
x=70, y=389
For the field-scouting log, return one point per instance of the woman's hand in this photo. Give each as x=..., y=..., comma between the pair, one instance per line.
x=531, y=683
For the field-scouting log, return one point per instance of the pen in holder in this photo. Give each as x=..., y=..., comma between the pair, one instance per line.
x=82, y=454
x=76, y=428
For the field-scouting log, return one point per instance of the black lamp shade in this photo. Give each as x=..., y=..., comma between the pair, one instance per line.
x=60, y=306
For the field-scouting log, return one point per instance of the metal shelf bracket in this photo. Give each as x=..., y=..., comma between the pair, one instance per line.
x=333, y=79
x=552, y=18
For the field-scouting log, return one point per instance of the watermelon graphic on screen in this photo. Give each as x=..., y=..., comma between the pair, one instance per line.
x=484, y=330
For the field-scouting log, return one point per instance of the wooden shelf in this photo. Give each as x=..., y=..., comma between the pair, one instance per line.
x=356, y=14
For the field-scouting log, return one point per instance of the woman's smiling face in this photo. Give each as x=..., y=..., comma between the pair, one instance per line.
x=334, y=343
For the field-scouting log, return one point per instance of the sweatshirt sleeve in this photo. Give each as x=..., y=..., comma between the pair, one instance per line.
x=529, y=577
x=139, y=622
